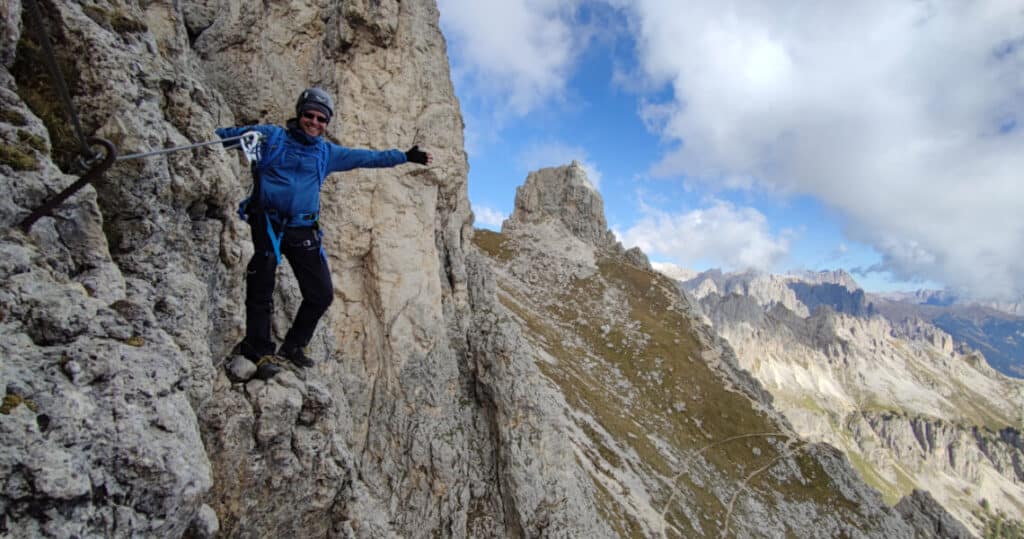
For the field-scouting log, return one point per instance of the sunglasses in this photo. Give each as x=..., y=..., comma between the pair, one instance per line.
x=315, y=117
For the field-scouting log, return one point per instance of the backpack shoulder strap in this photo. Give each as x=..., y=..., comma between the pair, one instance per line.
x=271, y=149
x=273, y=146
x=323, y=159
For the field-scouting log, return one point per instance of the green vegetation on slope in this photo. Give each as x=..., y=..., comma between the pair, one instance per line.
x=630, y=359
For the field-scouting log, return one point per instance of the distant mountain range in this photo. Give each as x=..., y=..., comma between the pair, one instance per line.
x=945, y=298
x=903, y=385
x=994, y=329
x=996, y=334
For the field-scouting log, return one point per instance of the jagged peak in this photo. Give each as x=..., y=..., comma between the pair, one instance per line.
x=837, y=277
x=800, y=292
x=562, y=195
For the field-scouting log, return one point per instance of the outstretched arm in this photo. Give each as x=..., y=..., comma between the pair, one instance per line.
x=343, y=158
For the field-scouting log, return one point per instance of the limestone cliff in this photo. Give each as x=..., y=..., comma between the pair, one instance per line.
x=422, y=418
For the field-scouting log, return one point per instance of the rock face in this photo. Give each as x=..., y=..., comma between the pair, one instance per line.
x=765, y=289
x=930, y=517
x=909, y=407
x=801, y=293
x=422, y=418
x=678, y=440
x=564, y=194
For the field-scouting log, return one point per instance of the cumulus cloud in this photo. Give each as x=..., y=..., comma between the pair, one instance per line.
x=489, y=216
x=554, y=154
x=907, y=117
x=734, y=238
x=516, y=52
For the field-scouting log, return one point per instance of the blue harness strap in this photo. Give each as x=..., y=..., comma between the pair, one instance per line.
x=275, y=238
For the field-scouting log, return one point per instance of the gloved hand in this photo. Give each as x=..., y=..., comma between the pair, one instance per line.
x=415, y=155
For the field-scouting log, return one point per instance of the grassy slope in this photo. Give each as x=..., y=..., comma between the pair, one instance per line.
x=633, y=374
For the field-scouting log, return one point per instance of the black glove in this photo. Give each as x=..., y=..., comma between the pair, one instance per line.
x=415, y=155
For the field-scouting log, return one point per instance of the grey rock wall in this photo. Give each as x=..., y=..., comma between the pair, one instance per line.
x=117, y=315
x=929, y=518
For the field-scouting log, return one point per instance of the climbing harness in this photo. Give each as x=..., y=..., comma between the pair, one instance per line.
x=98, y=162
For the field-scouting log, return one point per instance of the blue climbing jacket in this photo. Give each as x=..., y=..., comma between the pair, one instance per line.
x=291, y=172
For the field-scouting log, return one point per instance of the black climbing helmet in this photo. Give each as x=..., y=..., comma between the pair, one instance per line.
x=316, y=99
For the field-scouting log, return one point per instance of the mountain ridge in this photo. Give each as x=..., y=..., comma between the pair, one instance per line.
x=658, y=398
x=880, y=389
x=998, y=335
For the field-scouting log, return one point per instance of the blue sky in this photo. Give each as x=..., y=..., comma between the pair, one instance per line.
x=883, y=137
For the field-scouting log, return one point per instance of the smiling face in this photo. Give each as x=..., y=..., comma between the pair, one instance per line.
x=313, y=123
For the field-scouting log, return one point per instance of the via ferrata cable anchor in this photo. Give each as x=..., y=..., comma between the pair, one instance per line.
x=91, y=175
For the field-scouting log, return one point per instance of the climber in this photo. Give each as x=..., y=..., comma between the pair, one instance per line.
x=283, y=214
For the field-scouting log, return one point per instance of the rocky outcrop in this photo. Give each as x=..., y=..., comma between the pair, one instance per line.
x=967, y=452
x=929, y=518
x=765, y=289
x=991, y=329
x=832, y=296
x=674, y=272
x=566, y=195
x=824, y=277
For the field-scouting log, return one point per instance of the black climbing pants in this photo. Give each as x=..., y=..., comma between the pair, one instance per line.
x=301, y=247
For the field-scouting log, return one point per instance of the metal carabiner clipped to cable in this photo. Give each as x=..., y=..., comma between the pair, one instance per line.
x=250, y=144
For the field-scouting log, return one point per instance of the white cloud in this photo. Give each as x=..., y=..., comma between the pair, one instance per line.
x=723, y=235
x=515, y=52
x=489, y=216
x=906, y=116
x=555, y=154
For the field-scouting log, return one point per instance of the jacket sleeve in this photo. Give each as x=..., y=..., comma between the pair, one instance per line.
x=342, y=158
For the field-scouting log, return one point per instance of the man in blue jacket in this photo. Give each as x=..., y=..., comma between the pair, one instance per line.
x=283, y=213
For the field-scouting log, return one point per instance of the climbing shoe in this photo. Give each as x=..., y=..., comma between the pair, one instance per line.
x=250, y=352
x=266, y=367
x=295, y=354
